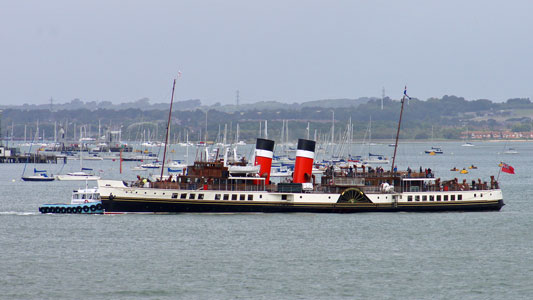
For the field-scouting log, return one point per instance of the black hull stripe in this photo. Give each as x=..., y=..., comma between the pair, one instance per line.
x=125, y=205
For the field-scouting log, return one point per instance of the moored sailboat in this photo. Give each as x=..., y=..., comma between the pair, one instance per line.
x=80, y=175
x=39, y=175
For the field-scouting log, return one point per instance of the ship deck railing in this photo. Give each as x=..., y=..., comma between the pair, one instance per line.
x=339, y=184
x=249, y=187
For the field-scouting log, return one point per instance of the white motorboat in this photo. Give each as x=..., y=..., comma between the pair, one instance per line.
x=376, y=159
x=434, y=150
x=154, y=165
x=510, y=151
x=74, y=176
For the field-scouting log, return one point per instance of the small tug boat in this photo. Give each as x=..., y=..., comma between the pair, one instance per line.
x=84, y=201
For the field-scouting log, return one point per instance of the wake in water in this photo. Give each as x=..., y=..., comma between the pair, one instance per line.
x=19, y=213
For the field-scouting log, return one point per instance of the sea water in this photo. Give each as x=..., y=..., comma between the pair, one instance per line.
x=458, y=255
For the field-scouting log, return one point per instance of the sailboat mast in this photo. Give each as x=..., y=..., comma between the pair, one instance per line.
x=332, y=127
x=187, y=148
x=168, y=127
x=206, y=127
x=398, y=133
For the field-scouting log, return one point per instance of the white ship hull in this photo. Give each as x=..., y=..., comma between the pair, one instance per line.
x=116, y=197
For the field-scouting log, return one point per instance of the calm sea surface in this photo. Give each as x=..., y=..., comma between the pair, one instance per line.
x=481, y=255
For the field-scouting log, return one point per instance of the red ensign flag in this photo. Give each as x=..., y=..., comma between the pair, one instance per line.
x=507, y=168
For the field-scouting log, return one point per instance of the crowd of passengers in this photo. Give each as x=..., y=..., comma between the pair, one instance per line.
x=455, y=185
x=450, y=185
x=353, y=171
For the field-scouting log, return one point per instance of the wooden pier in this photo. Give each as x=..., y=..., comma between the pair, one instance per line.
x=33, y=158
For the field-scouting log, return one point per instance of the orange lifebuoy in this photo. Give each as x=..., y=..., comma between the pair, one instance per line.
x=86, y=201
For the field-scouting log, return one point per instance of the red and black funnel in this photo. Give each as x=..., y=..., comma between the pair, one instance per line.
x=303, y=167
x=264, y=151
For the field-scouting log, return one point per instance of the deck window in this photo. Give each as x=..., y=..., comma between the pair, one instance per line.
x=242, y=197
x=234, y=197
x=200, y=196
x=445, y=197
x=250, y=197
x=424, y=198
x=459, y=197
x=409, y=198
x=226, y=197
x=217, y=196
x=438, y=197
x=283, y=197
x=452, y=197
x=431, y=198
x=174, y=195
x=417, y=198
x=192, y=196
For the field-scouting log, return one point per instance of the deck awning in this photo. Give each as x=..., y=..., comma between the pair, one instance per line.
x=419, y=179
x=247, y=178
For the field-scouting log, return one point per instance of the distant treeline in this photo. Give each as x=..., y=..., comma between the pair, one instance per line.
x=446, y=118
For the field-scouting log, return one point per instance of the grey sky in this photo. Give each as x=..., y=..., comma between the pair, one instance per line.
x=269, y=50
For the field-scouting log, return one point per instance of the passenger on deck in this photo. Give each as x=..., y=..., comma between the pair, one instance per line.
x=465, y=185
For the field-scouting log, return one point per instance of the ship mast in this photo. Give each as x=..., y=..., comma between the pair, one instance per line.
x=168, y=127
x=398, y=130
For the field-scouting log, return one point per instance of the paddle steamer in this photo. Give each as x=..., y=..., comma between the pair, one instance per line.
x=208, y=186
